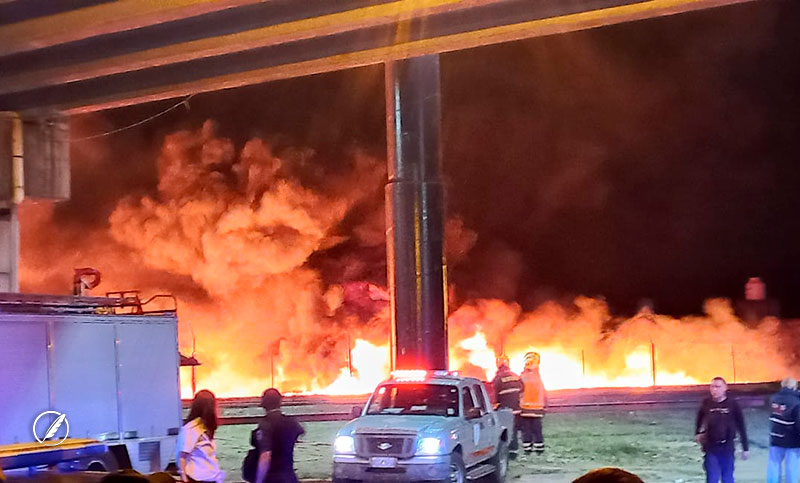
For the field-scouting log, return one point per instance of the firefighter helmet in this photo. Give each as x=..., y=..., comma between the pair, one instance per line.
x=532, y=360
x=502, y=361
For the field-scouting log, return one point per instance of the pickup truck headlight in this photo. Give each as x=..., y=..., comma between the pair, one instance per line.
x=344, y=445
x=430, y=446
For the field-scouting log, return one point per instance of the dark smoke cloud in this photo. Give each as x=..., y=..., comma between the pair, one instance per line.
x=651, y=159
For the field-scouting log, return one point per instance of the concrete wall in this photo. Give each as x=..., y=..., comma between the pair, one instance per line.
x=9, y=250
x=46, y=154
x=45, y=175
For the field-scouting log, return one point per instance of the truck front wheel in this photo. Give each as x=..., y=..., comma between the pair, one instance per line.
x=500, y=462
x=458, y=472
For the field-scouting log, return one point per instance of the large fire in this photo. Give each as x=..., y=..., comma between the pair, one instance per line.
x=273, y=260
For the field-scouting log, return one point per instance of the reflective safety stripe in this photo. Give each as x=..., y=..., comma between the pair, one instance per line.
x=483, y=452
x=781, y=421
x=509, y=391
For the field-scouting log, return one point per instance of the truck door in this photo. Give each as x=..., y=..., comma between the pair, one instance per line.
x=83, y=374
x=23, y=376
x=149, y=396
x=488, y=429
x=475, y=443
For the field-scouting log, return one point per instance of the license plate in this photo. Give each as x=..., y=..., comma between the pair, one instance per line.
x=383, y=462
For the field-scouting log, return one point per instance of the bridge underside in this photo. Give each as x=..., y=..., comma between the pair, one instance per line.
x=56, y=56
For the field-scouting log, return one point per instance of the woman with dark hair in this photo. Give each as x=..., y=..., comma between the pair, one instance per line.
x=196, y=450
x=608, y=475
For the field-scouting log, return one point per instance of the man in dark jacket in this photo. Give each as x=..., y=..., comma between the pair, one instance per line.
x=507, y=388
x=718, y=421
x=275, y=439
x=784, y=438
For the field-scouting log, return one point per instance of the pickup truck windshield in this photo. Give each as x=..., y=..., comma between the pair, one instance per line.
x=422, y=399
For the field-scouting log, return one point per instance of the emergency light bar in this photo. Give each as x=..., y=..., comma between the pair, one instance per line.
x=420, y=375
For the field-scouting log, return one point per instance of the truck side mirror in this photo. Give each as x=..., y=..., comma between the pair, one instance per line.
x=473, y=413
x=355, y=412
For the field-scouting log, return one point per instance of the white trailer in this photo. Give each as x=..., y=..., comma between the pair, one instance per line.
x=106, y=363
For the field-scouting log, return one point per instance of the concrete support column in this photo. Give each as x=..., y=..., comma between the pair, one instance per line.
x=415, y=214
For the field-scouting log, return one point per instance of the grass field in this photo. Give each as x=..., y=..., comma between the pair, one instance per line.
x=658, y=445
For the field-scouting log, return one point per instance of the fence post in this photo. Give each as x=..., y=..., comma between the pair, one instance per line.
x=349, y=356
x=653, y=360
x=583, y=365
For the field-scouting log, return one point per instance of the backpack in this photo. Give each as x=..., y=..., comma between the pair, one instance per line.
x=250, y=463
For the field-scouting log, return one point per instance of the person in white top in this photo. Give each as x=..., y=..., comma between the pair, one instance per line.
x=196, y=450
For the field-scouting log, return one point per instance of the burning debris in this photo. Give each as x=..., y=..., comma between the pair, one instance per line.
x=264, y=250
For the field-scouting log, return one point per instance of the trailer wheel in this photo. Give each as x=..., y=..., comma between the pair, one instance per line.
x=105, y=462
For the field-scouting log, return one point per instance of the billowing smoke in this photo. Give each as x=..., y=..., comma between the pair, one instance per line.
x=243, y=225
x=278, y=264
x=277, y=261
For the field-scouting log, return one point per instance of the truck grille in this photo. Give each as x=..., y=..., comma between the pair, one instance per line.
x=388, y=445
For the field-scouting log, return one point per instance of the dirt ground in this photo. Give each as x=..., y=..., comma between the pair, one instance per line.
x=657, y=445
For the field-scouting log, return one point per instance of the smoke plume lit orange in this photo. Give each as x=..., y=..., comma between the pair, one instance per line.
x=234, y=234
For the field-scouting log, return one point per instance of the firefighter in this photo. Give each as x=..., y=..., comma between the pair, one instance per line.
x=534, y=400
x=507, y=388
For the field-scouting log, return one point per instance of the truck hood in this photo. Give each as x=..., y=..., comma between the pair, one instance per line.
x=382, y=423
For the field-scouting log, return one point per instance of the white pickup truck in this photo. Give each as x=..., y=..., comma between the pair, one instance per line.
x=425, y=426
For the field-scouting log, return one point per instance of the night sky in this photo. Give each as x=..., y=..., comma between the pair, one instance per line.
x=656, y=159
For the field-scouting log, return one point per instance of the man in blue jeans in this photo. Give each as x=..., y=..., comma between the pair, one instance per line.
x=718, y=421
x=784, y=438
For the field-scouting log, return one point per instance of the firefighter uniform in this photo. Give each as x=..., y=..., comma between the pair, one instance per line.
x=507, y=388
x=534, y=401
